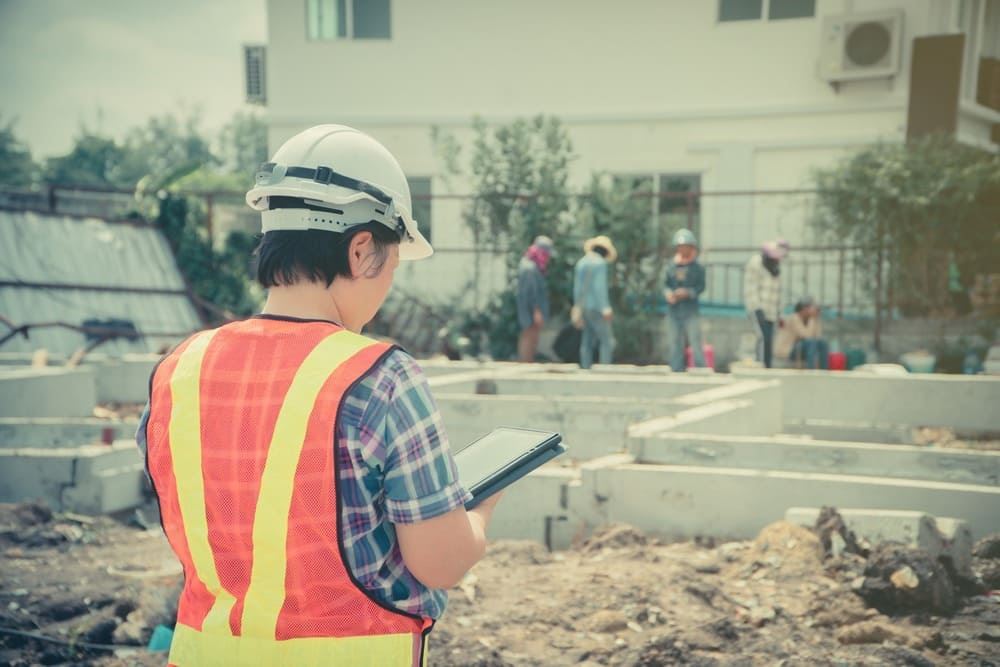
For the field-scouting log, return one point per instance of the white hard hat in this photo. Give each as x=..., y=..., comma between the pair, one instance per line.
x=344, y=178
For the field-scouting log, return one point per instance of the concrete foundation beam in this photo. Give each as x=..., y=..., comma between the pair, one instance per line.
x=940, y=537
x=640, y=386
x=125, y=379
x=47, y=392
x=802, y=455
x=962, y=402
x=537, y=508
x=590, y=426
x=685, y=501
x=92, y=479
x=58, y=432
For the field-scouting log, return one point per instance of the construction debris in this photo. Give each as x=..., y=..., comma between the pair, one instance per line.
x=620, y=598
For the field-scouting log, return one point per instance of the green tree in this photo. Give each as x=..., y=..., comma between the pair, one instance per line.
x=924, y=209
x=621, y=209
x=243, y=145
x=518, y=172
x=94, y=161
x=19, y=169
x=165, y=148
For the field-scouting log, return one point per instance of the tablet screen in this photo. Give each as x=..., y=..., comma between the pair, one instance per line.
x=494, y=451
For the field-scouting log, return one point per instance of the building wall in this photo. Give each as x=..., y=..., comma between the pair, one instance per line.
x=642, y=86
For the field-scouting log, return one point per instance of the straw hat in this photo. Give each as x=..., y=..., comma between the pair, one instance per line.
x=604, y=242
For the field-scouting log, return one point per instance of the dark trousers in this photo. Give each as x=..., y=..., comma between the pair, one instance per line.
x=764, y=329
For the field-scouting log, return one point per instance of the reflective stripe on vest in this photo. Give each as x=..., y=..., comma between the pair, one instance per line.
x=328, y=359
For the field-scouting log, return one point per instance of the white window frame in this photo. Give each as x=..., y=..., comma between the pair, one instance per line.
x=765, y=14
x=348, y=24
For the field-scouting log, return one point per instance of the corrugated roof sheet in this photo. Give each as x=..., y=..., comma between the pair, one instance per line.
x=40, y=248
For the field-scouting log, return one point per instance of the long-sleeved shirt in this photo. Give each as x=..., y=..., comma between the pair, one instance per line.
x=590, y=283
x=690, y=276
x=761, y=290
x=796, y=329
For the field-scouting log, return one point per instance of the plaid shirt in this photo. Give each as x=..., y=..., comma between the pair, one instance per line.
x=395, y=467
x=761, y=290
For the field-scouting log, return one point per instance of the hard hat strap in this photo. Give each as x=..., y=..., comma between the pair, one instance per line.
x=271, y=173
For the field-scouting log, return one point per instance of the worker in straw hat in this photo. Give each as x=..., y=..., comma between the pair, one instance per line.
x=591, y=304
x=303, y=471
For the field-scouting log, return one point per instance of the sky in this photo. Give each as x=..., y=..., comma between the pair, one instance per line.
x=111, y=64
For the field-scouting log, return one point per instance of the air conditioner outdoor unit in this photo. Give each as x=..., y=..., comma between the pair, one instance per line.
x=861, y=46
x=255, y=73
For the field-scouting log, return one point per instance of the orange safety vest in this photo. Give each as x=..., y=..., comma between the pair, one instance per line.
x=239, y=452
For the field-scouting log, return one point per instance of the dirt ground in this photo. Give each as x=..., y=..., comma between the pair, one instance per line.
x=619, y=599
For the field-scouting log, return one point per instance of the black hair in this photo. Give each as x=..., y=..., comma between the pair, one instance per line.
x=600, y=250
x=314, y=255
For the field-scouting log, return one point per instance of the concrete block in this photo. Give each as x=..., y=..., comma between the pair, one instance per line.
x=16, y=432
x=940, y=537
x=804, y=455
x=535, y=508
x=35, y=474
x=125, y=379
x=92, y=479
x=685, y=501
x=963, y=402
x=47, y=392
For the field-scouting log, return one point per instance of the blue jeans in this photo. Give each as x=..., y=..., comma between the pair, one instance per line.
x=814, y=351
x=596, y=331
x=679, y=327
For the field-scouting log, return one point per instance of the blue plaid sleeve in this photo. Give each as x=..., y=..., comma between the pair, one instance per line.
x=421, y=480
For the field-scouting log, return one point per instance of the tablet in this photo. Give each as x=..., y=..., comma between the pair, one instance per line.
x=503, y=456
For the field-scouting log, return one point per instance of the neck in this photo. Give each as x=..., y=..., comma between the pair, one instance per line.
x=307, y=301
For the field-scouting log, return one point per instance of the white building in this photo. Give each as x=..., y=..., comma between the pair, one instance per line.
x=733, y=95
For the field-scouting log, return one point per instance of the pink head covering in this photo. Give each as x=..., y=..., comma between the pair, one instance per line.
x=777, y=249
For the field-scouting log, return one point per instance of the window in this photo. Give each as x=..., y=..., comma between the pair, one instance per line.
x=671, y=212
x=980, y=21
x=775, y=10
x=420, y=194
x=348, y=19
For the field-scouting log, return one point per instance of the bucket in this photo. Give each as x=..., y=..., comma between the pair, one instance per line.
x=837, y=361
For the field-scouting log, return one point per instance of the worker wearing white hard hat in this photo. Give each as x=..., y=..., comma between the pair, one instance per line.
x=303, y=471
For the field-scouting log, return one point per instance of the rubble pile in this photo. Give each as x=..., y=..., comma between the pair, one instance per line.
x=97, y=588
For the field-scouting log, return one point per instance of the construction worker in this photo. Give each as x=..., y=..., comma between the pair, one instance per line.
x=684, y=284
x=591, y=302
x=762, y=295
x=303, y=473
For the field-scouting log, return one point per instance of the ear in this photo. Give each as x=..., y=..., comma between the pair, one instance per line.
x=359, y=253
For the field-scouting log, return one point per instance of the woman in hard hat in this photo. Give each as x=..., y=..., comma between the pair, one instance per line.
x=762, y=295
x=303, y=472
x=684, y=284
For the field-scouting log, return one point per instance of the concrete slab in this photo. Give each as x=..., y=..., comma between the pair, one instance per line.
x=963, y=402
x=685, y=501
x=47, y=392
x=915, y=529
x=802, y=455
x=741, y=408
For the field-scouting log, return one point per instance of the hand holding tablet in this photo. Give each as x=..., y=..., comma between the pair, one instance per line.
x=502, y=457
